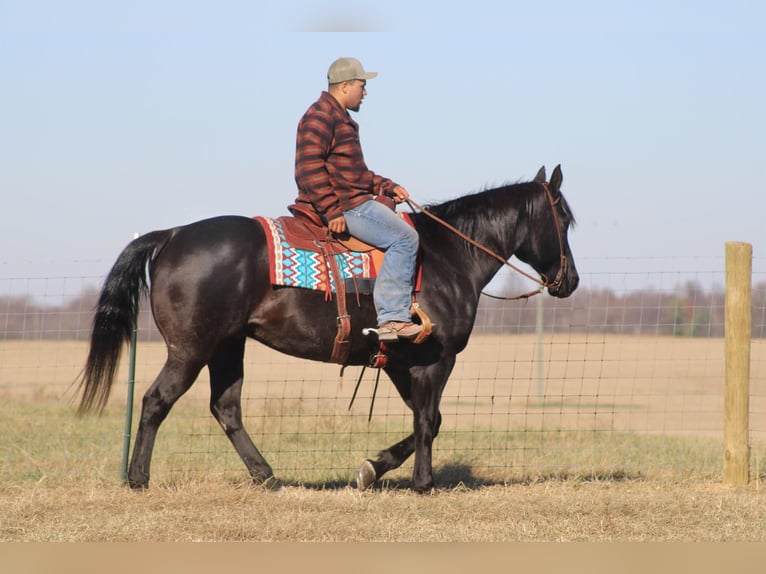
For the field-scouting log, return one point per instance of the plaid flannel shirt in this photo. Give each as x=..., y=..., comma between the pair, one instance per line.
x=330, y=170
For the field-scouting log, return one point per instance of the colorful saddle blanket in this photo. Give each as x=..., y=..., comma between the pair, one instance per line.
x=306, y=266
x=298, y=258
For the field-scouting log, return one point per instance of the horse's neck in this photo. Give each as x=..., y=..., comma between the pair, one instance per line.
x=492, y=237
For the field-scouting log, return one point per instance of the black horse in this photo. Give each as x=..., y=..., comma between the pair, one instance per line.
x=210, y=290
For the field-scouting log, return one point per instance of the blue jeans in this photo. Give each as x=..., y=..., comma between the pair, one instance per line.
x=376, y=224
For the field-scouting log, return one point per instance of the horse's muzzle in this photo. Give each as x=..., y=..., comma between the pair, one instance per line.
x=566, y=281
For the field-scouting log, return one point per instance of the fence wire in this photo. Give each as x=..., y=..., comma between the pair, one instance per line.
x=623, y=379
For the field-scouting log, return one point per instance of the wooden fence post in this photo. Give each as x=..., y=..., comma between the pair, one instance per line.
x=736, y=466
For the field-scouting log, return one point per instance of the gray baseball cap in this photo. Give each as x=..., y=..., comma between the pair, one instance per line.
x=347, y=69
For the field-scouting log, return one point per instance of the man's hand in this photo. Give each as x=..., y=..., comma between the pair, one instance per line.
x=337, y=225
x=400, y=194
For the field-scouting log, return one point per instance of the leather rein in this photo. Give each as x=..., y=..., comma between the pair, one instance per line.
x=543, y=283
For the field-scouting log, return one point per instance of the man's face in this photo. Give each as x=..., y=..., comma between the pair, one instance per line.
x=357, y=89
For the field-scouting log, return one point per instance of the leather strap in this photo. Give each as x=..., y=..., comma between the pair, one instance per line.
x=542, y=282
x=341, y=346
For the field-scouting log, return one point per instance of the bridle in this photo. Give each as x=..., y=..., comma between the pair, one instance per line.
x=543, y=281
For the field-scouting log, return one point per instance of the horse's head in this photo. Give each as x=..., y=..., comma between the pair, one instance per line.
x=546, y=247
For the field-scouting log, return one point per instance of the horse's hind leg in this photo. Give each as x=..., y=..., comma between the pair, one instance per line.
x=226, y=375
x=174, y=380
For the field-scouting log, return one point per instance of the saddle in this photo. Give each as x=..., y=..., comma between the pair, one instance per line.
x=306, y=231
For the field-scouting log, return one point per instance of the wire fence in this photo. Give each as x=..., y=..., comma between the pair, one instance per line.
x=624, y=378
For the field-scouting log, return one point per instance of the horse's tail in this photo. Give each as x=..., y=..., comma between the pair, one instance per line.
x=115, y=317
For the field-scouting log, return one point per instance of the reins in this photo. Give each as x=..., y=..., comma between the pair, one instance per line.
x=543, y=283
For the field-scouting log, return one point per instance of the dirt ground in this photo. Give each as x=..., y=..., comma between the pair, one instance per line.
x=668, y=385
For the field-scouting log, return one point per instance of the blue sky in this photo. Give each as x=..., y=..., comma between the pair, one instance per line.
x=117, y=118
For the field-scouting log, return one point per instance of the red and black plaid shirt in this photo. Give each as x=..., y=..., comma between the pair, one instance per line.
x=329, y=166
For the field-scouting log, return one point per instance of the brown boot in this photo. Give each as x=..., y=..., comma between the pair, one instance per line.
x=395, y=330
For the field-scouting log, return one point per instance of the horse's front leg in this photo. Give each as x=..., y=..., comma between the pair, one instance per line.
x=427, y=420
x=389, y=459
x=421, y=389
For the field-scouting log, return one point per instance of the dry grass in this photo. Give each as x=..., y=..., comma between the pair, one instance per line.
x=623, y=443
x=59, y=482
x=212, y=510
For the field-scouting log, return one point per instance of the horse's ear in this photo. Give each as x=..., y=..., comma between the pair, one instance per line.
x=540, y=177
x=556, y=179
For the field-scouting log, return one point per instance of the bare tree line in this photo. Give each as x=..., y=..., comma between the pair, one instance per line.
x=690, y=311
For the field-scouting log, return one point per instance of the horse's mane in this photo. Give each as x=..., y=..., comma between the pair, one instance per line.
x=481, y=213
x=488, y=199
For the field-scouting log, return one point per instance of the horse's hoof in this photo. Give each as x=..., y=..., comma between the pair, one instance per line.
x=425, y=489
x=365, y=476
x=137, y=485
x=272, y=484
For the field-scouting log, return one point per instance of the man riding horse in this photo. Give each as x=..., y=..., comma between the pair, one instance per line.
x=333, y=179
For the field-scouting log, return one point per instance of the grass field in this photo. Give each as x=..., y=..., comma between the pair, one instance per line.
x=620, y=440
